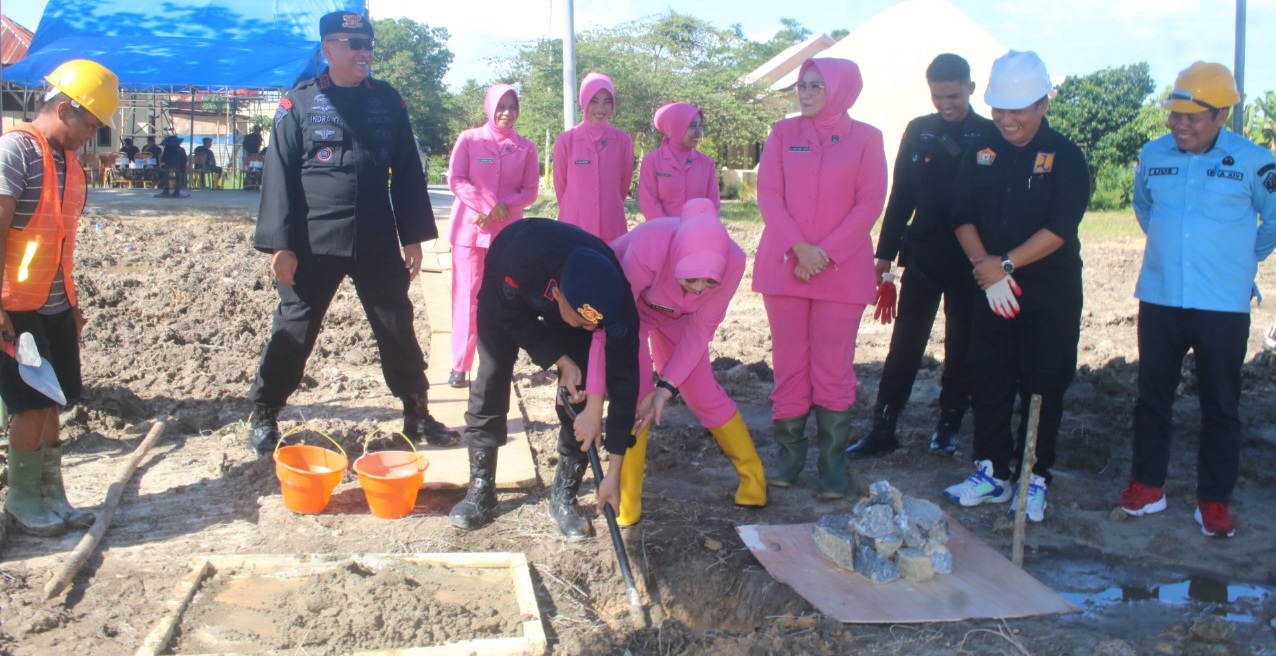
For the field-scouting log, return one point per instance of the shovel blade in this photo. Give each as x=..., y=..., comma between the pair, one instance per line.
x=43, y=380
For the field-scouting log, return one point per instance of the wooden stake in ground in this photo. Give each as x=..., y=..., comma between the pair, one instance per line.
x=61, y=577
x=1025, y=478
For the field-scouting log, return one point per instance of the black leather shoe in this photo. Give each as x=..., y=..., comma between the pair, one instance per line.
x=263, y=430
x=880, y=439
x=419, y=426
x=944, y=440
x=458, y=379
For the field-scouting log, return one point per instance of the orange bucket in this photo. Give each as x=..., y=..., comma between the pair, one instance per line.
x=308, y=474
x=391, y=480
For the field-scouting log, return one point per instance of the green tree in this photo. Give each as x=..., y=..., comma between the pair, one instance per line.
x=414, y=58
x=1260, y=120
x=1098, y=110
x=652, y=61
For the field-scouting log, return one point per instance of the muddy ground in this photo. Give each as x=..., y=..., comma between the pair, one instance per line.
x=178, y=309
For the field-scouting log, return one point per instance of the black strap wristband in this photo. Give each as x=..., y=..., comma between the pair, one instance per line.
x=664, y=384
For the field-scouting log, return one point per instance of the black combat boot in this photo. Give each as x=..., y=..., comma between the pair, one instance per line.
x=880, y=439
x=562, y=499
x=263, y=429
x=476, y=509
x=944, y=440
x=419, y=426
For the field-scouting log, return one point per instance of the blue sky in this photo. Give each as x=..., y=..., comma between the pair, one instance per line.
x=1072, y=36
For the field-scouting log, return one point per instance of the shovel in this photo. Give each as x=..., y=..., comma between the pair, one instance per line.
x=35, y=370
x=636, y=613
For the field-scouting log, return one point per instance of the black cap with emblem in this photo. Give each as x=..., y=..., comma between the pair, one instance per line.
x=344, y=21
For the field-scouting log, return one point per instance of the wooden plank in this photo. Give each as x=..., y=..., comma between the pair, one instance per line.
x=984, y=584
x=183, y=592
x=532, y=641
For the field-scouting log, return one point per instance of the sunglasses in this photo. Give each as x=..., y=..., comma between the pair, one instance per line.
x=357, y=43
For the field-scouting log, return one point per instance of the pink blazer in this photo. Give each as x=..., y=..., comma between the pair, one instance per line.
x=482, y=174
x=667, y=181
x=829, y=194
x=592, y=180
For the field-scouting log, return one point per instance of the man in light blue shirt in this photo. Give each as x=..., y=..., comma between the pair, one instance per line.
x=1206, y=198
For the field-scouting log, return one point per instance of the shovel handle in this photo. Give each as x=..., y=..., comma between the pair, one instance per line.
x=622, y=558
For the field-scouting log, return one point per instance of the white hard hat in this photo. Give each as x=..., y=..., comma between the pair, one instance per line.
x=1018, y=79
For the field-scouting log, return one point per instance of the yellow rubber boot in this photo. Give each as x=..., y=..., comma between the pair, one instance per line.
x=734, y=439
x=631, y=472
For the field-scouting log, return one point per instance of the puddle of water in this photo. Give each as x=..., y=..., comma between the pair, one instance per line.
x=1242, y=600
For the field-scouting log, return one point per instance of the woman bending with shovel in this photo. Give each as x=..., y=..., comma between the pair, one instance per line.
x=683, y=273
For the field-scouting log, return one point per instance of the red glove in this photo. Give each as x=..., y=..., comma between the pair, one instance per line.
x=885, y=300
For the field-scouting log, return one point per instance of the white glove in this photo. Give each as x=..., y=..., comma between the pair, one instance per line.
x=1001, y=297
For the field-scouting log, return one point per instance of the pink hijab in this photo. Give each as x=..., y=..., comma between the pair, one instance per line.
x=842, y=86
x=494, y=94
x=701, y=244
x=673, y=120
x=589, y=86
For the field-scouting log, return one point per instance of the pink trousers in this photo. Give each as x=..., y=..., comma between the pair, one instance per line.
x=813, y=354
x=701, y=391
x=467, y=273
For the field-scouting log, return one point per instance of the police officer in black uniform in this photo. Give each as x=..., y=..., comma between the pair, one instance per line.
x=934, y=265
x=343, y=188
x=546, y=288
x=1020, y=195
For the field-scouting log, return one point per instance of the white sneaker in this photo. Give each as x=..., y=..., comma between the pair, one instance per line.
x=981, y=487
x=1036, y=508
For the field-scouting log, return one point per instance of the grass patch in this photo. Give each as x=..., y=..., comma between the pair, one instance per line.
x=734, y=211
x=1108, y=226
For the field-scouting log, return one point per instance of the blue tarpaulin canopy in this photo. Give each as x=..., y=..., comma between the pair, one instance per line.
x=248, y=44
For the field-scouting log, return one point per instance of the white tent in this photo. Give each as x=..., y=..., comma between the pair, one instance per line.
x=893, y=50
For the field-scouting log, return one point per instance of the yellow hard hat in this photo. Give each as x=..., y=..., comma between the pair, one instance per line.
x=90, y=84
x=1202, y=86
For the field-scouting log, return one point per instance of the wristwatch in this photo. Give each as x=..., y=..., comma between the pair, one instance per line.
x=1007, y=267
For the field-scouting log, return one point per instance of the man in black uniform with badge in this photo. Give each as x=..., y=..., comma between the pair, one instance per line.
x=1020, y=195
x=547, y=288
x=341, y=191
x=934, y=265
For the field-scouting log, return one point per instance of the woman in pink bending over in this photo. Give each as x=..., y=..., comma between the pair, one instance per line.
x=676, y=172
x=594, y=165
x=821, y=187
x=684, y=272
x=494, y=173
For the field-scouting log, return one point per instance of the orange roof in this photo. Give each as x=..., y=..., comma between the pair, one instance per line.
x=15, y=38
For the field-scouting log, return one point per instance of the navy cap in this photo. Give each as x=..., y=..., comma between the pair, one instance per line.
x=592, y=284
x=344, y=21
x=171, y=140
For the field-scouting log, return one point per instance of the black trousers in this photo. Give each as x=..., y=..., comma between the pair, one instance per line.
x=1219, y=340
x=488, y=412
x=178, y=178
x=1034, y=353
x=919, y=296
x=382, y=286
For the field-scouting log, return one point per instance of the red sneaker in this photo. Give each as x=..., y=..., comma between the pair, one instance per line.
x=1139, y=499
x=1214, y=519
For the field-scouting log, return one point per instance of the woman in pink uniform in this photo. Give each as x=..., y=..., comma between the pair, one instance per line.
x=821, y=187
x=683, y=272
x=594, y=165
x=494, y=174
x=676, y=172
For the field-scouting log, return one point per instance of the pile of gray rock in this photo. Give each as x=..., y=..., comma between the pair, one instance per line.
x=887, y=536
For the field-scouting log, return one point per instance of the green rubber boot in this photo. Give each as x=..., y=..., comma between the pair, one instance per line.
x=24, y=506
x=790, y=437
x=833, y=430
x=54, y=492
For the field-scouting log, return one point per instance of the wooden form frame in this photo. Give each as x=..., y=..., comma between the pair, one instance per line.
x=532, y=641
